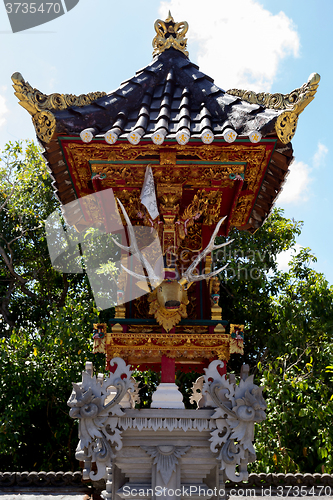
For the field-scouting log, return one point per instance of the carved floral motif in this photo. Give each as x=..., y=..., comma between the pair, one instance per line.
x=181, y=345
x=238, y=407
x=96, y=403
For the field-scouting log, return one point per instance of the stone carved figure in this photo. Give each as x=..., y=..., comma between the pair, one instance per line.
x=96, y=403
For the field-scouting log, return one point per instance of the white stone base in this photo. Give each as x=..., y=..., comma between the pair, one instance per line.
x=167, y=395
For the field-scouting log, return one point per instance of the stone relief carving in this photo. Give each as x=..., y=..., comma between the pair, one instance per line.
x=170, y=424
x=101, y=405
x=238, y=407
x=166, y=458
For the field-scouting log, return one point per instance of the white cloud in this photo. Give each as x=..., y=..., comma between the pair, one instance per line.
x=285, y=257
x=240, y=43
x=3, y=110
x=320, y=155
x=296, y=188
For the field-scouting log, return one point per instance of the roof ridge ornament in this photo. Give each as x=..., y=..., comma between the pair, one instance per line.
x=293, y=104
x=170, y=34
x=41, y=106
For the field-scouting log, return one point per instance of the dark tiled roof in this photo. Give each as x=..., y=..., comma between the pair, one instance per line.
x=167, y=97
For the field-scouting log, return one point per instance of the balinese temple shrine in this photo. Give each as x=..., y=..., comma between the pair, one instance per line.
x=218, y=160
x=213, y=154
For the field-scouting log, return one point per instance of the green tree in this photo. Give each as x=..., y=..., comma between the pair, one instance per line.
x=288, y=330
x=28, y=283
x=252, y=279
x=297, y=374
x=46, y=322
x=38, y=367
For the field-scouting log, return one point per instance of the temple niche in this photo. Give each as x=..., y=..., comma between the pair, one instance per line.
x=163, y=165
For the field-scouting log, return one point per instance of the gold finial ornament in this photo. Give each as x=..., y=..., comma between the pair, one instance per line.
x=170, y=34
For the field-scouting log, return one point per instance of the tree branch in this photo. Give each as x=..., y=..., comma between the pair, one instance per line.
x=262, y=358
x=8, y=197
x=4, y=304
x=299, y=358
x=61, y=301
x=10, y=267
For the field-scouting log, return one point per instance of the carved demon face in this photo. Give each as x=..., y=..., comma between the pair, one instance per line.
x=168, y=303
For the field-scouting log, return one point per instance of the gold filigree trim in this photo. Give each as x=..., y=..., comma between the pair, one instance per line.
x=242, y=210
x=207, y=203
x=154, y=345
x=293, y=104
x=286, y=125
x=40, y=105
x=280, y=101
x=170, y=34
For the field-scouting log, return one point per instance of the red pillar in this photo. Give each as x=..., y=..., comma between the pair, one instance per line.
x=168, y=369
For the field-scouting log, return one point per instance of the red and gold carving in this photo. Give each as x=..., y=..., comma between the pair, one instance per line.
x=236, y=339
x=214, y=168
x=151, y=346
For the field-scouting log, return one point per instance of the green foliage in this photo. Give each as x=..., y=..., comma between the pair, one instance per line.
x=288, y=331
x=252, y=279
x=148, y=381
x=37, y=371
x=296, y=435
x=297, y=375
x=45, y=323
x=28, y=283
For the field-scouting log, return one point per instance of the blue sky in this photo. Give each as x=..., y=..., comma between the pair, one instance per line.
x=262, y=46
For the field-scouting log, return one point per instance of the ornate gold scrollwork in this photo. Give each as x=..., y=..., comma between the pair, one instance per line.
x=254, y=157
x=45, y=124
x=286, y=125
x=182, y=345
x=40, y=105
x=293, y=104
x=170, y=34
x=243, y=208
x=131, y=200
x=281, y=101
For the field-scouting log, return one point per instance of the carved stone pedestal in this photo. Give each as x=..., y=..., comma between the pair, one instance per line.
x=166, y=453
x=167, y=395
x=165, y=449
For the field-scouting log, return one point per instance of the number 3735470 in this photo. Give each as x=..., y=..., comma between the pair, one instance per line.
x=33, y=8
